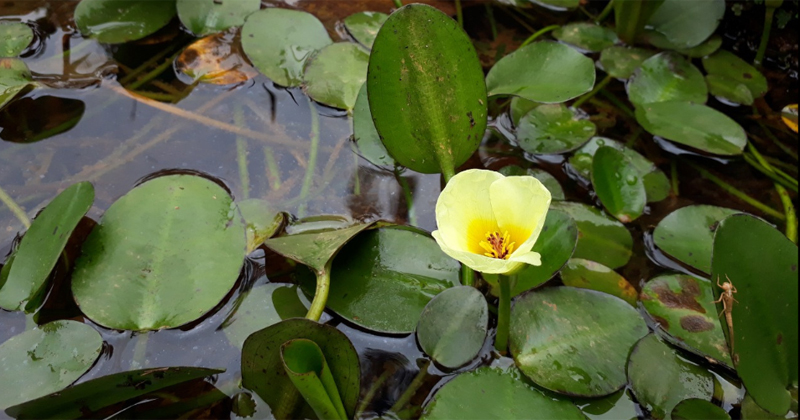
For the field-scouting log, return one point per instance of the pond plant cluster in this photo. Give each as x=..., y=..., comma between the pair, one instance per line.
x=514, y=299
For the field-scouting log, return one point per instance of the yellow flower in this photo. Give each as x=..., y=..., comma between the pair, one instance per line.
x=490, y=222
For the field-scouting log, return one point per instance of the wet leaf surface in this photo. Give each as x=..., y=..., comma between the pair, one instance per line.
x=734, y=79
x=118, y=21
x=364, y=26
x=204, y=17
x=452, y=327
x=14, y=78
x=694, y=409
x=586, y=36
x=620, y=62
x=335, y=74
x=686, y=24
x=667, y=77
x=593, y=331
x=176, y=239
x=261, y=307
x=553, y=128
x=215, y=59
x=619, y=405
x=583, y=158
x=600, y=238
x=368, y=141
x=618, y=184
x=261, y=223
x=46, y=359
x=15, y=37
x=707, y=47
x=657, y=186
x=314, y=248
x=590, y=275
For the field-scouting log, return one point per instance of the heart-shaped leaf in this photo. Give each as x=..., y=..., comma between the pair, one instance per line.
x=600, y=238
x=590, y=361
x=14, y=38
x=452, y=327
x=368, y=142
x=364, y=26
x=734, y=79
x=546, y=72
x=118, y=21
x=335, y=74
x=204, y=17
x=553, y=128
x=618, y=184
x=687, y=24
x=315, y=248
x=694, y=409
x=587, y=274
x=14, y=78
x=667, y=77
x=621, y=62
x=586, y=36
x=426, y=90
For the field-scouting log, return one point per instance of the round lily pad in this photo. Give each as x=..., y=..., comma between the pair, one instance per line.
x=14, y=78
x=582, y=160
x=694, y=409
x=452, y=327
x=204, y=17
x=586, y=36
x=657, y=186
x=519, y=107
x=590, y=275
x=46, y=359
x=553, y=128
x=335, y=74
x=14, y=38
x=660, y=378
x=619, y=405
x=667, y=77
x=600, y=238
x=734, y=79
x=707, y=47
x=687, y=234
x=364, y=26
x=261, y=307
x=383, y=279
x=621, y=62
x=618, y=184
x=549, y=181
x=368, y=141
x=491, y=393
x=279, y=41
x=163, y=255
x=682, y=306
x=594, y=331
x=546, y=72
x=694, y=125
x=118, y=21
x=686, y=24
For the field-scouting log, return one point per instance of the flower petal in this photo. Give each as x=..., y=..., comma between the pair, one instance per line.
x=520, y=206
x=464, y=211
x=530, y=257
x=478, y=262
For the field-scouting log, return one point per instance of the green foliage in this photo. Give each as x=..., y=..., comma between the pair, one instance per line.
x=600, y=238
x=620, y=62
x=364, y=26
x=553, y=128
x=204, y=17
x=14, y=79
x=118, y=21
x=618, y=184
x=334, y=75
x=695, y=409
x=682, y=24
x=734, y=79
x=586, y=36
x=368, y=141
x=590, y=275
x=15, y=37
x=667, y=77
x=306, y=367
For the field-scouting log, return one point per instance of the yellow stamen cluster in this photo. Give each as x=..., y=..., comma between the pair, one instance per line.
x=497, y=246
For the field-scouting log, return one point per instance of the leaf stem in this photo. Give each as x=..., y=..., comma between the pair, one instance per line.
x=15, y=208
x=607, y=11
x=152, y=74
x=413, y=387
x=320, y=295
x=492, y=22
x=762, y=47
x=398, y=3
x=373, y=389
x=503, y=314
x=606, y=80
x=615, y=101
x=459, y=14
x=241, y=153
x=539, y=33
x=791, y=215
x=675, y=180
x=312, y=157
x=407, y=193
x=467, y=276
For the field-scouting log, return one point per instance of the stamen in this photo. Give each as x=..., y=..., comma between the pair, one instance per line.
x=498, y=246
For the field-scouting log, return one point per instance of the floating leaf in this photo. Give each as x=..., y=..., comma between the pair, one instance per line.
x=364, y=26
x=553, y=128
x=15, y=37
x=687, y=234
x=687, y=24
x=708, y=47
x=556, y=244
x=697, y=409
x=14, y=78
x=621, y=62
x=306, y=367
x=667, y=77
x=426, y=90
x=263, y=372
x=279, y=41
x=618, y=184
x=694, y=125
x=595, y=332
x=118, y=21
x=204, y=17
x=762, y=264
x=89, y=398
x=335, y=74
x=789, y=116
x=384, y=278
x=683, y=307
x=261, y=223
x=600, y=238
x=587, y=274
x=630, y=17
x=657, y=186
x=215, y=59
x=261, y=307
x=314, y=248
x=491, y=393
x=546, y=72
x=660, y=378
x=46, y=359
x=582, y=160
x=366, y=136
x=42, y=246
x=733, y=78
x=549, y=181
x=163, y=255
x=452, y=327
x=519, y=107
x=619, y=405
x=586, y=36
x=751, y=411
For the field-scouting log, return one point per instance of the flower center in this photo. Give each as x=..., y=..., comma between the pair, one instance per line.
x=497, y=245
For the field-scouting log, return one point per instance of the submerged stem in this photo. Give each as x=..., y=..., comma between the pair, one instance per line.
x=791, y=215
x=737, y=193
x=675, y=180
x=15, y=208
x=407, y=193
x=412, y=387
x=241, y=154
x=762, y=47
x=539, y=33
x=599, y=86
x=607, y=11
x=320, y=295
x=503, y=314
x=312, y=157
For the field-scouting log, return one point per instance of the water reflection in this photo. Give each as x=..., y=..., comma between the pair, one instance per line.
x=32, y=119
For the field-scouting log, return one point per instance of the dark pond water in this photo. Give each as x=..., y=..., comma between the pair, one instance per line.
x=85, y=129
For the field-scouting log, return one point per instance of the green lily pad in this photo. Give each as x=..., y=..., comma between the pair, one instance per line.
x=46, y=359
x=263, y=371
x=426, y=90
x=260, y=222
x=553, y=128
x=279, y=41
x=594, y=332
x=707, y=47
x=657, y=186
x=491, y=393
x=118, y=21
x=582, y=160
x=590, y=275
x=452, y=327
x=519, y=107
x=335, y=74
x=600, y=238
x=556, y=244
x=682, y=306
x=14, y=78
x=206, y=17
x=14, y=38
x=620, y=62
x=306, y=367
x=687, y=234
x=660, y=378
x=42, y=246
x=586, y=36
x=549, y=181
x=163, y=255
x=314, y=248
x=751, y=411
x=546, y=72
x=694, y=125
x=734, y=79
x=667, y=77
x=364, y=26
x=619, y=405
x=384, y=278
x=762, y=265
x=697, y=409
x=90, y=397
x=687, y=24
x=366, y=137
x=618, y=184
x=261, y=307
